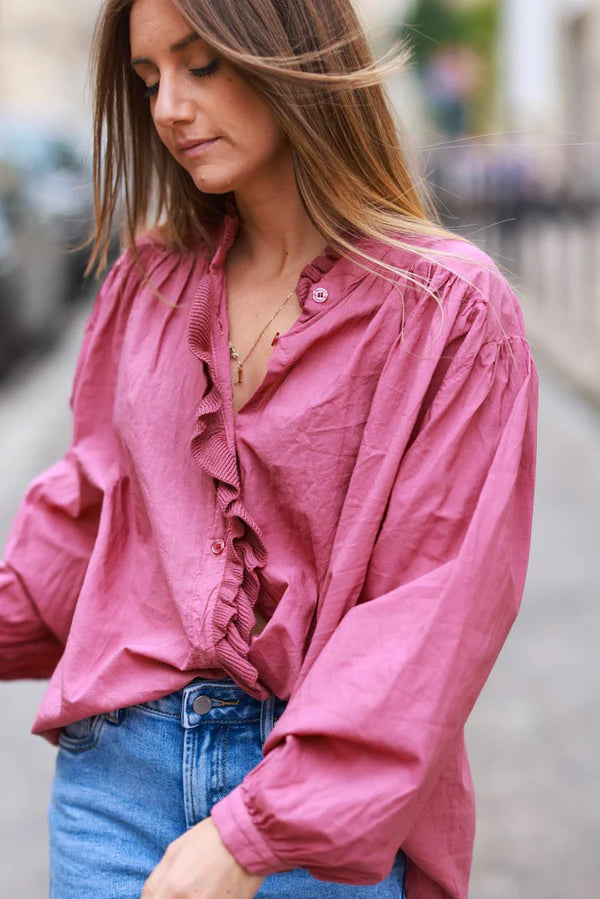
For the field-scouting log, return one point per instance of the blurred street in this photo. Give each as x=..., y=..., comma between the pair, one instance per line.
x=535, y=733
x=500, y=108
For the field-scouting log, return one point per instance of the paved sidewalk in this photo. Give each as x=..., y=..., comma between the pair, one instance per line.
x=534, y=736
x=35, y=425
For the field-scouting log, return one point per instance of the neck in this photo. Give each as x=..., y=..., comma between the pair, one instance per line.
x=276, y=234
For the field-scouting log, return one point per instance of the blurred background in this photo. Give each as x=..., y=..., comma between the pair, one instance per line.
x=501, y=111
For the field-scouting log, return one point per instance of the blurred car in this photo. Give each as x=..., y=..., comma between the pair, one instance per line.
x=8, y=291
x=46, y=198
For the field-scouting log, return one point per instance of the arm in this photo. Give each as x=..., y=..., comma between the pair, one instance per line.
x=363, y=741
x=55, y=528
x=46, y=558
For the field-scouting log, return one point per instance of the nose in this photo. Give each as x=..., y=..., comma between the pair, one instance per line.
x=173, y=105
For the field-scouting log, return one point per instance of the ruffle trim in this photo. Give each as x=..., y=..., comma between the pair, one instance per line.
x=314, y=271
x=233, y=613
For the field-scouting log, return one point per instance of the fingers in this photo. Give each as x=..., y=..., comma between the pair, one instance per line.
x=198, y=864
x=148, y=892
x=151, y=886
x=175, y=877
x=156, y=880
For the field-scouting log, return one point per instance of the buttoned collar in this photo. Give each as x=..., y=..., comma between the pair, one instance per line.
x=311, y=274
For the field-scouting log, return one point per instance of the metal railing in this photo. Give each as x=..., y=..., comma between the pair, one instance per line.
x=543, y=230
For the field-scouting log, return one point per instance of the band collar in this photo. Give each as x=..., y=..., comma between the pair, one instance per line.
x=310, y=274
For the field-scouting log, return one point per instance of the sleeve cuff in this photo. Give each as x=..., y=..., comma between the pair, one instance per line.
x=242, y=837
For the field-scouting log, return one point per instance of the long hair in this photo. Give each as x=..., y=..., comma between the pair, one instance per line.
x=311, y=63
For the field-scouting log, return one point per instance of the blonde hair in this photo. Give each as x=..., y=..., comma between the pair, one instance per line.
x=311, y=63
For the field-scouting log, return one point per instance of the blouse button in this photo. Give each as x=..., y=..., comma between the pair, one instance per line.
x=218, y=546
x=320, y=295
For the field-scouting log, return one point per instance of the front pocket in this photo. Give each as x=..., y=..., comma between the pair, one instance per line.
x=81, y=735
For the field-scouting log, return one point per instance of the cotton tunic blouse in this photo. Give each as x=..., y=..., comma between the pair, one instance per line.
x=372, y=499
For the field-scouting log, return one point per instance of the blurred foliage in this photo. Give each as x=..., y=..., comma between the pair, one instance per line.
x=435, y=22
x=432, y=24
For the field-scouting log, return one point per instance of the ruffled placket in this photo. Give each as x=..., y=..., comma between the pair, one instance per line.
x=213, y=449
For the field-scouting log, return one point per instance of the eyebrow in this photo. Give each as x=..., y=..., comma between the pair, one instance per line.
x=175, y=48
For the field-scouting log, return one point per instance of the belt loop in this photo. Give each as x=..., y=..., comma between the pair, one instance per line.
x=267, y=717
x=114, y=717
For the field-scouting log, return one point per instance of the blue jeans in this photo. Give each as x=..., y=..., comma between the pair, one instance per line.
x=130, y=782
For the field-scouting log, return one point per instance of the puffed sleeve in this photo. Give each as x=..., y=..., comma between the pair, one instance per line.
x=362, y=743
x=54, y=530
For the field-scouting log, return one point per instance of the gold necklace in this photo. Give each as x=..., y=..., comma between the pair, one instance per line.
x=234, y=353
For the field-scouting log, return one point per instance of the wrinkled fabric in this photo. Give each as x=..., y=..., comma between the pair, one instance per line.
x=372, y=499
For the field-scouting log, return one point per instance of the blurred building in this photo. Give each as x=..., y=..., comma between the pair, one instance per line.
x=550, y=106
x=44, y=50
x=551, y=67
x=382, y=17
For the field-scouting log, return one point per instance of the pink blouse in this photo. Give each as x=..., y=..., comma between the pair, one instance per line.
x=373, y=499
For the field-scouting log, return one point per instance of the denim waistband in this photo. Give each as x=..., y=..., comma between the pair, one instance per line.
x=205, y=702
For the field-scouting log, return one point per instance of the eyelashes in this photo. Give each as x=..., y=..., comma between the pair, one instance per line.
x=204, y=72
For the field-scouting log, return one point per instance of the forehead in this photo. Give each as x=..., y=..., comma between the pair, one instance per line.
x=155, y=22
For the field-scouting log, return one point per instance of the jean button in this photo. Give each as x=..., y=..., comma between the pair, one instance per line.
x=202, y=705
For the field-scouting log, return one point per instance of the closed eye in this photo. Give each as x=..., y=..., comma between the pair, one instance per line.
x=204, y=72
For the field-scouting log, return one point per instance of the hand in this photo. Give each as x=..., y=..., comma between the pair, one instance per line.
x=199, y=866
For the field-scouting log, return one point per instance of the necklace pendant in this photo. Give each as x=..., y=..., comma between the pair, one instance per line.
x=240, y=374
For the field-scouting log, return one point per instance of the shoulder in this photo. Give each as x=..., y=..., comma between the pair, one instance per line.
x=461, y=278
x=143, y=275
x=150, y=266
x=150, y=256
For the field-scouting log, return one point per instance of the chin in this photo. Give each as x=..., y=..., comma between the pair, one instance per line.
x=213, y=182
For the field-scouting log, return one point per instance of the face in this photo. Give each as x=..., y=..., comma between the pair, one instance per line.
x=214, y=124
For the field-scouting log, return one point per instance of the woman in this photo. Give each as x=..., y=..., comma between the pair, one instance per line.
x=276, y=566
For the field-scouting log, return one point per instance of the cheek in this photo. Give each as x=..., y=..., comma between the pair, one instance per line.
x=252, y=120
x=162, y=133
x=265, y=136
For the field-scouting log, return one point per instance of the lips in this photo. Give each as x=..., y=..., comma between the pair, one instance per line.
x=195, y=145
